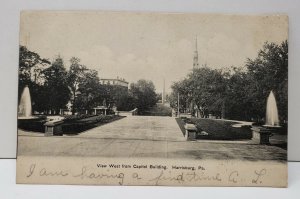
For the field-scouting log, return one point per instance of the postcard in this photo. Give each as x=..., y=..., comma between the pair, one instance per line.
x=144, y=98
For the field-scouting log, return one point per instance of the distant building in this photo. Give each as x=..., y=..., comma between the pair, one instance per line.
x=117, y=82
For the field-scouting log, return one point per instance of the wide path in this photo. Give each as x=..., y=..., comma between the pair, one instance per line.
x=138, y=127
x=141, y=136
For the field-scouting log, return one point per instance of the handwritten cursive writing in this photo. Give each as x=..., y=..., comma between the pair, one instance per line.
x=113, y=176
x=233, y=176
x=44, y=172
x=86, y=173
x=258, y=176
x=185, y=177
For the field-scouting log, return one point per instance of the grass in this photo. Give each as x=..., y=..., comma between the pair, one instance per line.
x=159, y=110
x=73, y=124
x=69, y=118
x=216, y=129
x=181, y=124
x=73, y=127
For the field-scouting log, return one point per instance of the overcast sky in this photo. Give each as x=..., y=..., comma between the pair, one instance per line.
x=149, y=46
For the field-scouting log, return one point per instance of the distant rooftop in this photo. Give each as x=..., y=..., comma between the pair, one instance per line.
x=118, y=79
x=114, y=81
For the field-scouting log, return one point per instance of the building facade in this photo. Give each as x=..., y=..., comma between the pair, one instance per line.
x=117, y=82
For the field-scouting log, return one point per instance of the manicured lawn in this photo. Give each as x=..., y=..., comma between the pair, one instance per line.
x=80, y=125
x=217, y=129
x=73, y=124
x=159, y=110
x=181, y=124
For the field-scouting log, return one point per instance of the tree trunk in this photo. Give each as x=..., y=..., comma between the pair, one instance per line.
x=223, y=110
x=73, y=103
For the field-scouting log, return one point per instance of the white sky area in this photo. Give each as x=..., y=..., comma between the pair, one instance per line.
x=149, y=46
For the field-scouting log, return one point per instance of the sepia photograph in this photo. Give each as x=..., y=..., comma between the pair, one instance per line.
x=141, y=98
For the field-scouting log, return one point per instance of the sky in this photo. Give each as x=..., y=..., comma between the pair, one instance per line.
x=152, y=46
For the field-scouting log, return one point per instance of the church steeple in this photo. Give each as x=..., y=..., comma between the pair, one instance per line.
x=196, y=63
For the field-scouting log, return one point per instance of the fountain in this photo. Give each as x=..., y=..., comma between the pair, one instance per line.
x=29, y=122
x=25, y=109
x=272, y=119
x=261, y=134
x=26, y=120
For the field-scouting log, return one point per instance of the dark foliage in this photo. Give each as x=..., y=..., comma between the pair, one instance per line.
x=80, y=125
x=238, y=93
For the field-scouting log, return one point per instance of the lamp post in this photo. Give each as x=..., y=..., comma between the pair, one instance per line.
x=178, y=106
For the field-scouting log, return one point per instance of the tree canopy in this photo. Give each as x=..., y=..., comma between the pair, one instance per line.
x=53, y=87
x=237, y=93
x=55, y=90
x=269, y=72
x=143, y=93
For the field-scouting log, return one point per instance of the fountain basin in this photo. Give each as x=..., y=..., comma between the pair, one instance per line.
x=272, y=126
x=53, y=127
x=32, y=123
x=261, y=135
x=276, y=129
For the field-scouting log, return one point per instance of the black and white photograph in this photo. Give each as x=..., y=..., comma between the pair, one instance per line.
x=145, y=98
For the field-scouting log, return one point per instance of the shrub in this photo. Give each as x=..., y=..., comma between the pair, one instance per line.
x=77, y=126
x=34, y=124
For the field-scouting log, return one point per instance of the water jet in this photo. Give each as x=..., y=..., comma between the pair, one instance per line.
x=261, y=134
x=25, y=108
x=25, y=118
x=272, y=118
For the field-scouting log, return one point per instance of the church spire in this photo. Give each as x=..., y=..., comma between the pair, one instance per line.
x=196, y=63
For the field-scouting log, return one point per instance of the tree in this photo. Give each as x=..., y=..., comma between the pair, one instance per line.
x=183, y=89
x=125, y=102
x=90, y=92
x=143, y=93
x=208, y=91
x=30, y=67
x=269, y=71
x=237, y=101
x=114, y=94
x=75, y=77
x=56, y=91
x=27, y=61
x=240, y=93
x=204, y=89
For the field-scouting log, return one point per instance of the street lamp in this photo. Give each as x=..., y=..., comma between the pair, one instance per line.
x=178, y=113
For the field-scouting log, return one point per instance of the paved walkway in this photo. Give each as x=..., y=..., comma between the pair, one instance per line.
x=142, y=136
x=138, y=127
